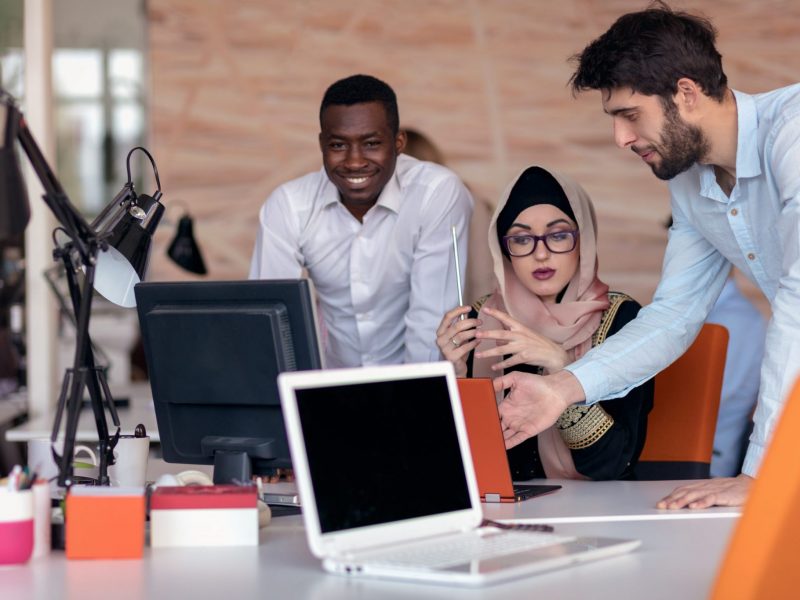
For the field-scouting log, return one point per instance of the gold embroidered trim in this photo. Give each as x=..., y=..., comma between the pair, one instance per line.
x=616, y=299
x=478, y=304
x=582, y=426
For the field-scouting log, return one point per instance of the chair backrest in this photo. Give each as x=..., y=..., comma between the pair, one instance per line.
x=761, y=560
x=680, y=428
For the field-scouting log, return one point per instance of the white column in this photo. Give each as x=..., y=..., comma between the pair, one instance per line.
x=40, y=306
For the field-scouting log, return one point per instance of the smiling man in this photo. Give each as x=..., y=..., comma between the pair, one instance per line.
x=373, y=230
x=733, y=165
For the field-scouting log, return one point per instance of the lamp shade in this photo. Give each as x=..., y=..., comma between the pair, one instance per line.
x=14, y=208
x=124, y=263
x=184, y=250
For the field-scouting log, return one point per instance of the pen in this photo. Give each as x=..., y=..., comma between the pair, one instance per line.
x=458, y=270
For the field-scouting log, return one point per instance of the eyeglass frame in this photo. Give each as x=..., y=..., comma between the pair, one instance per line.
x=543, y=238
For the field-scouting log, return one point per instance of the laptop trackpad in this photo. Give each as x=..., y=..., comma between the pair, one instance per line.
x=548, y=557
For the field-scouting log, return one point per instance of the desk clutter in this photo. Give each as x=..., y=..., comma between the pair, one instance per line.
x=108, y=522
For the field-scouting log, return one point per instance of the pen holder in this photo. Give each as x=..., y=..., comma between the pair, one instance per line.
x=16, y=526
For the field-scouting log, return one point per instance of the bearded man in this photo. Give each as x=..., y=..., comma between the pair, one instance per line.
x=733, y=165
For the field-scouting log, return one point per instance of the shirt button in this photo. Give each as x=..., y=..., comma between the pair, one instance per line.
x=734, y=212
x=751, y=256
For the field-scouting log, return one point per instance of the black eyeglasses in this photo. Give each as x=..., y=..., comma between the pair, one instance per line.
x=558, y=242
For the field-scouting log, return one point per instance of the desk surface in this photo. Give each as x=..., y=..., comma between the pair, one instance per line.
x=593, y=501
x=678, y=558
x=140, y=410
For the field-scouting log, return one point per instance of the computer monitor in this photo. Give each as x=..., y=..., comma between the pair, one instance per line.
x=214, y=350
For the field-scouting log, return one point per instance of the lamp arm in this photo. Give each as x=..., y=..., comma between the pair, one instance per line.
x=56, y=198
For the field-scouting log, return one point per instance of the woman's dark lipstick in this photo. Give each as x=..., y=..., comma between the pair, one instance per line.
x=542, y=274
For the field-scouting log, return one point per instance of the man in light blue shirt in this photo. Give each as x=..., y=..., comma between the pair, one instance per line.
x=746, y=332
x=733, y=165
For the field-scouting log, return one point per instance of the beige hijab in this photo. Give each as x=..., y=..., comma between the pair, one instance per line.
x=571, y=322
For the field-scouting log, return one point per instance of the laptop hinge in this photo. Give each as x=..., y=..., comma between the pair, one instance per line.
x=491, y=497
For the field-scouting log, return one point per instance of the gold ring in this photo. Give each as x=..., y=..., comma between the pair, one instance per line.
x=455, y=343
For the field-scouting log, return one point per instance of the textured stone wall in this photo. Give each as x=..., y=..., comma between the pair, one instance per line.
x=235, y=90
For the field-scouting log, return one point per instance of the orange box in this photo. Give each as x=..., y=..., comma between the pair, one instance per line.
x=105, y=522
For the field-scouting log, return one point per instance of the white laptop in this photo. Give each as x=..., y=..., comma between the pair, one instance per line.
x=385, y=476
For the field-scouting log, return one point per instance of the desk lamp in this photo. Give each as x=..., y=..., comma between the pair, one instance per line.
x=183, y=250
x=111, y=252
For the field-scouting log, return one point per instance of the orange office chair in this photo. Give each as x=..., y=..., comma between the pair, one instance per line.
x=680, y=428
x=761, y=560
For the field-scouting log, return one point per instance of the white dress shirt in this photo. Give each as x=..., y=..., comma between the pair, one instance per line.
x=756, y=228
x=383, y=285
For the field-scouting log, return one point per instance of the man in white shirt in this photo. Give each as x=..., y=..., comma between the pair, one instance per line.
x=373, y=229
x=733, y=165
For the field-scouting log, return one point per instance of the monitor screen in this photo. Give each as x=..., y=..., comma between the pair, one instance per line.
x=214, y=350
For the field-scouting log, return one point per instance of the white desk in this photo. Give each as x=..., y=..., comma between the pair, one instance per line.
x=140, y=410
x=678, y=559
x=593, y=501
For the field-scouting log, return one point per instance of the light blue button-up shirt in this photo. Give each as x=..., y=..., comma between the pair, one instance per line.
x=757, y=229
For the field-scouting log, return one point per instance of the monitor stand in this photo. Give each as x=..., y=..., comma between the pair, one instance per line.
x=233, y=463
x=233, y=456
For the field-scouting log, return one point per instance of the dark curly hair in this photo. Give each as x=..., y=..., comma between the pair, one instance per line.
x=649, y=51
x=357, y=89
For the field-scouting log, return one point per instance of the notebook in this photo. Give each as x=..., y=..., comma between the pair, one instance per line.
x=487, y=446
x=384, y=472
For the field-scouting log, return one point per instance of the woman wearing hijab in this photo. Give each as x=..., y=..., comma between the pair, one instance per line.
x=548, y=310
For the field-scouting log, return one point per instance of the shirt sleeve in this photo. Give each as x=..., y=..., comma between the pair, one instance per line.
x=693, y=275
x=434, y=288
x=781, y=365
x=277, y=252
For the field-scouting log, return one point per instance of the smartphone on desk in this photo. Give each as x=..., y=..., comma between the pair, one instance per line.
x=281, y=499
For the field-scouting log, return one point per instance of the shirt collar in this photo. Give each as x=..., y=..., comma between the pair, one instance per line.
x=391, y=194
x=748, y=163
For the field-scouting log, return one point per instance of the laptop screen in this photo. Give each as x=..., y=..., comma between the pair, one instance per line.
x=382, y=451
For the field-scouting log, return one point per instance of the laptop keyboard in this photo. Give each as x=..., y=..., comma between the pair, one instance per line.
x=456, y=550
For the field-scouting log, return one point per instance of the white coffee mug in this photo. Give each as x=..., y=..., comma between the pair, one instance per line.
x=40, y=456
x=130, y=461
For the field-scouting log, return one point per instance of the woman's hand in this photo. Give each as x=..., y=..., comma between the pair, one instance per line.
x=524, y=345
x=456, y=338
